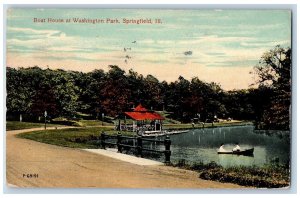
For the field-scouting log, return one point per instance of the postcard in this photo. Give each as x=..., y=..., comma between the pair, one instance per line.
x=148, y=98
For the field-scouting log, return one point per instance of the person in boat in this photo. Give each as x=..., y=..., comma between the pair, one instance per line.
x=221, y=149
x=237, y=147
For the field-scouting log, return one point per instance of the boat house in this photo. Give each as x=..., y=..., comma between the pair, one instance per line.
x=141, y=120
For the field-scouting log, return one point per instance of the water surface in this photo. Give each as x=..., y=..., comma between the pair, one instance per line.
x=201, y=145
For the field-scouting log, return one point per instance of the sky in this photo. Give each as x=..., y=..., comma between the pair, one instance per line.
x=219, y=46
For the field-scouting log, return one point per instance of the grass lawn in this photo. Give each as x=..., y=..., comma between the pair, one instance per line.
x=72, y=137
x=16, y=125
x=94, y=123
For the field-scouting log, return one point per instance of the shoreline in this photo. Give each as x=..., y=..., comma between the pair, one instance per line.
x=217, y=125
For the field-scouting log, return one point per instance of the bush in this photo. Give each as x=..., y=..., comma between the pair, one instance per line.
x=269, y=176
x=244, y=180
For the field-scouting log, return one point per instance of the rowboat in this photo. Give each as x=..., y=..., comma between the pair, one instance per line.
x=247, y=152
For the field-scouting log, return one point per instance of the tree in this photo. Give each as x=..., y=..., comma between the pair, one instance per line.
x=178, y=98
x=115, y=92
x=274, y=71
x=151, y=92
x=44, y=100
x=62, y=87
x=197, y=98
x=18, y=93
x=89, y=91
x=33, y=91
x=136, y=88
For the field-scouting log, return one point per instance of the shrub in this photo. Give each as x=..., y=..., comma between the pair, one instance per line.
x=268, y=176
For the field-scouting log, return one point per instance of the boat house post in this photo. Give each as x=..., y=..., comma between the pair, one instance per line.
x=167, y=149
x=103, y=140
x=119, y=139
x=139, y=146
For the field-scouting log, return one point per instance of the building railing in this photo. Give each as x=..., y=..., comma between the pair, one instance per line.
x=138, y=147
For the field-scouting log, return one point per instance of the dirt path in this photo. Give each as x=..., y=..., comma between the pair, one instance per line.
x=66, y=167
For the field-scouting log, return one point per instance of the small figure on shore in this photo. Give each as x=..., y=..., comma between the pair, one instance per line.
x=221, y=149
x=237, y=147
x=193, y=125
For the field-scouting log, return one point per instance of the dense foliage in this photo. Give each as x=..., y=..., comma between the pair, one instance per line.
x=274, y=73
x=32, y=91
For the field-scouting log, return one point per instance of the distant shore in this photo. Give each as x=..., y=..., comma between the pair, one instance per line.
x=173, y=127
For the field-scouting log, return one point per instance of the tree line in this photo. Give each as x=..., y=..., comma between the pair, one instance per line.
x=64, y=93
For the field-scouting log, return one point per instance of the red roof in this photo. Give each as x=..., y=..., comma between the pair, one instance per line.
x=141, y=113
x=140, y=108
x=144, y=116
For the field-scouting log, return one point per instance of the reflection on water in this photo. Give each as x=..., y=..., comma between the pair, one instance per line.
x=201, y=145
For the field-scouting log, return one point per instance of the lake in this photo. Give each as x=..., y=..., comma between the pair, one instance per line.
x=201, y=145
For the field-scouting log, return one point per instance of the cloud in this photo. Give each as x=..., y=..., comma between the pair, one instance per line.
x=30, y=31
x=55, y=40
x=209, y=50
x=265, y=44
x=34, y=39
x=215, y=39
